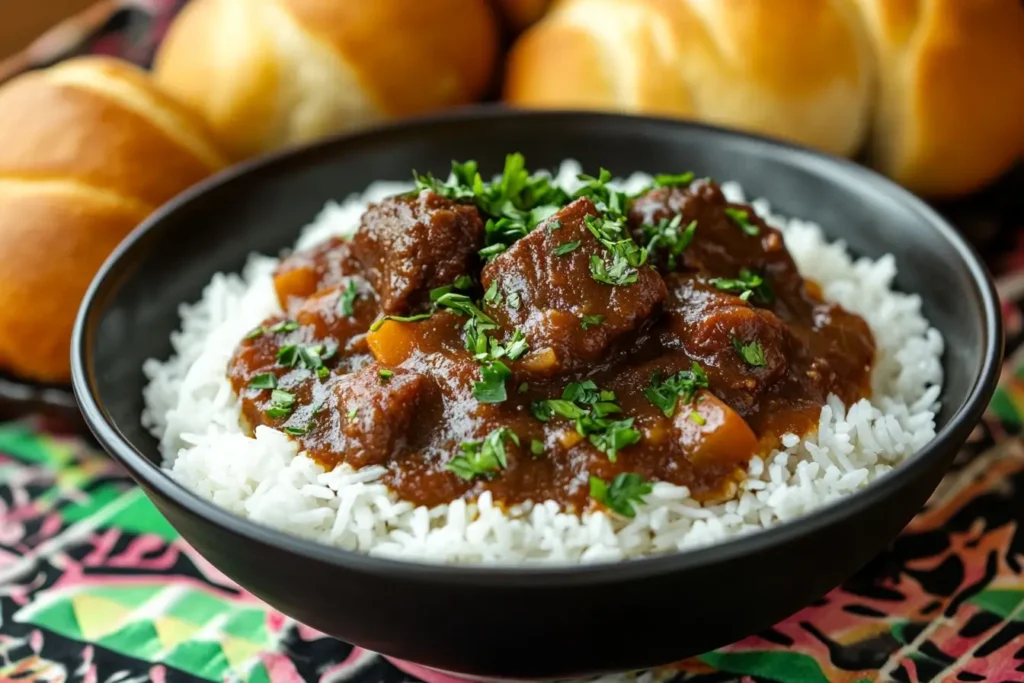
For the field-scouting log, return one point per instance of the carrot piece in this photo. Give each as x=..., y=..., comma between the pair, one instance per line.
x=393, y=342
x=713, y=433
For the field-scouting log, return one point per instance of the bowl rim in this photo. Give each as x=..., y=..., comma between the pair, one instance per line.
x=143, y=470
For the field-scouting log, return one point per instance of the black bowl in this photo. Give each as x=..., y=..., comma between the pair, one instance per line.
x=531, y=622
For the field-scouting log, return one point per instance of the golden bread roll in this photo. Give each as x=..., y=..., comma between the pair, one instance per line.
x=88, y=149
x=270, y=73
x=519, y=14
x=937, y=85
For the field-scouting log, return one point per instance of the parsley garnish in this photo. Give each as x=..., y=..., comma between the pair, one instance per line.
x=285, y=326
x=463, y=282
x=566, y=248
x=347, y=300
x=288, y=355
x=554, y=225
x=255, y=332
x=669, y=237
x=664, y=394
x=673, y=180
x=524, y=387
x=748, y=284
x=513, y=300
x=491, y=387
x=751, y=352
x=296, y=431
x=588, y=321
x=307, y=356
x=281, y=404
x=352, y=413
x=698, y=418
x=536, y=447
x=265, y=381
x=742, y=220
x=398, y=319
x=385, y=374
x=625, y=491
x=513, y=204
x=627, y=256
x=483, y=458
x=589, y=407
x=493, y=295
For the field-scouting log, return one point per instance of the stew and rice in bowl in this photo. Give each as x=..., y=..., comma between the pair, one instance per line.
x=546, y=367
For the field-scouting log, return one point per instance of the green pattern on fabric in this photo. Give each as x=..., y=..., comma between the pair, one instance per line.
x=198, y=607
x=140, y=516
x=128, y=595
x=23, y=444
x=58, y=616
x=138, y=639
x=200, y=658
x=787, y=667
x=1004, y=408
x=1005, y=604
x=91, y=503
x=248, y=624
x=259, y=674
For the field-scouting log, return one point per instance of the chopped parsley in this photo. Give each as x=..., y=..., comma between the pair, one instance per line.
x=296, y=431
x=566, y=248
x=493, y=295
x=624, y=492
x=463, y=282
x=513, y=300
x=588, y=321
x=285, y=326
x=673, y=180
x=398, y=319
x=512, y=349
x=698, y=418
x=347, y=300
x=627, y=256
x=491, y=387
x=322, y=372
x=524, y=387
x=590, y=407
x=385, y=374
x=742, y=220
x=308, y=356
x=255, y=333
x=554, y=225
x=281, y=404
x=752, y=352
x=352, y=413
x=748, y=284
x=536, y=447
x=483, y=458
x=513, y=204
x=664, y=393
x=669, y=237
x=265, y=381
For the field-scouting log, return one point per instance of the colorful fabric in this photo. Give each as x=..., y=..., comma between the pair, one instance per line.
x=96, y=587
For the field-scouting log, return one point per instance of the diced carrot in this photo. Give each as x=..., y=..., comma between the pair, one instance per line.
x=297, y=282
x=712, y=432
x=393, y=342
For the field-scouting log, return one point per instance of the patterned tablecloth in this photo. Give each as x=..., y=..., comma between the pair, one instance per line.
x=95, y=586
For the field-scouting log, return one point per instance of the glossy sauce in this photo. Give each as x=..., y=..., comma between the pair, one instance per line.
x=413, y=419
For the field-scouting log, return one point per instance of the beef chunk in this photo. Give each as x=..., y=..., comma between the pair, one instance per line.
x=306, y=272
x=548, y=292
x=721, y=244
x=714, y=327
x=410, y=245
x=340, y=314
x=376, y=414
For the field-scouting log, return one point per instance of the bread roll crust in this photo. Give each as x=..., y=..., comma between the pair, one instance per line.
x=269, y=73
x=87, y=149
x=937, y=84
x=740, y=63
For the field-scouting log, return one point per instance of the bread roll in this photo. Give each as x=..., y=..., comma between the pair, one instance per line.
x=938, y=85
x=270, y=73
x=87, y=149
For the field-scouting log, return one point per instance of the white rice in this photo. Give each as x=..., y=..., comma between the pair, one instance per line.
x=191, y=408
